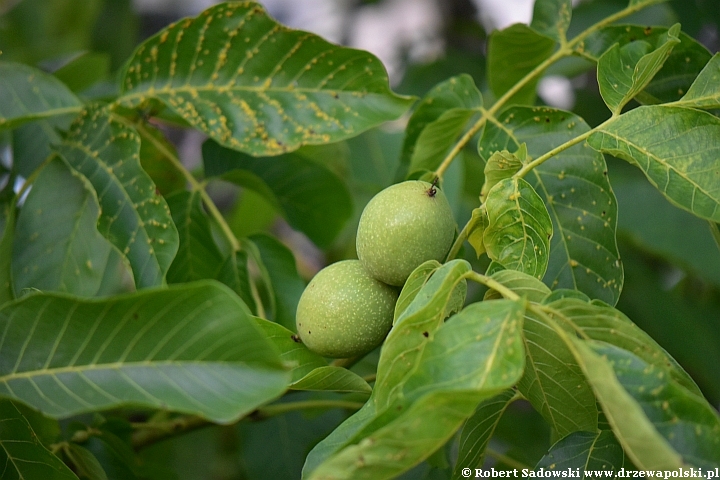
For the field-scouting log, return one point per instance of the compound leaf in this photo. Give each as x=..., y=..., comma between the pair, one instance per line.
x=252, y=84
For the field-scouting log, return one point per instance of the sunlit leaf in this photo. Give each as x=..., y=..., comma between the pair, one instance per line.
x=413, y=284
x=133, y=216
x=192, y=348
x=705, y=90
x=311, y=197
x=519, y=227
x=21, y=453
x=625, y=71
x=499, y=166
x=581, y=452
x=57, y=246
x=575, y=188
x=27, y=94
x=675, y=147
x=521, y=283
x=254, y=85
x=513, y=53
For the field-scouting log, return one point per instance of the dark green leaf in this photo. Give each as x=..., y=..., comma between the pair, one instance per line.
x=234, y=272
x=513, y=53
x=477, y=431
x=312, y=198
x=22, y=455
x=705, y=90
x=519, y=227
x=293, y=353
x=133, y=216
x=7, y=292
x=335, y=379
x=581, y=452
x=553, y=381
x=255, y=85
x=455, y=92
x=552, y=18
x=677, y=74
x=193, y=349
x=56, y=245
x=85, y=462
x=33, y=141
x=27, y=93
x=282, y=274
x=660, y=425
x=499, y=166
x=576, y=190
x=625, y=71
x=155, y=154
x=521, y=283
x=84, y=71
x=675, y=148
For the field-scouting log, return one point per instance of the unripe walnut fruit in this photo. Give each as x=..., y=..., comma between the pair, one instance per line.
x=403, y=226
x=344, y=312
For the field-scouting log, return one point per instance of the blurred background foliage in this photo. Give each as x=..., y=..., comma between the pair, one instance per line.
x=672, y=262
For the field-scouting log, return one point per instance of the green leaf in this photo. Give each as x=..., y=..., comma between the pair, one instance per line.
x=553, y=381
x=521, y=283
x=198, y=256
x=312, y=198
x=513, y=53
x=133, y=216
x=282, y=274
x=155, y=154
x=660, y=425
x=705, y=90
x=438, y=137
x=413, y=330
x=478, y=222
x=32, y=142
x=7, y=292
x=27, y=94
x=552, y=18
x=623, y=72
x=477, y=431
x=499, y=166
x=234, y=272
x=585, y=451
x=56, y=244
x=22, y=455
x=85, y=462
x=678, y=72
x=335, y=379
x=574, y=185
x=475, y=355
x=675, y=148
x=252, y=84
x=85, y=70
x=412, y=286
x=519, y=227
x=455, y=92
x=293, y=353
x=192, y=348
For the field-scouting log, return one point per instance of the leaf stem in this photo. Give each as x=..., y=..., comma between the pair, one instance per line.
x=492, y=283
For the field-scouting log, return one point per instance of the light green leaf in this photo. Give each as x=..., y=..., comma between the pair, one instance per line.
x=412, y=286
x=521, y=283
x=413, y=330
x=56, y=244
x=86, y=464
x=252, y=84
x=705, y=90
x=660, y=425
x=192, y=348
x=455, y=92
x=553, y=381
x=675, y=148
x=499, y=166
x=575, y=188
x=625, y=71
x=477, y=431
x=681, y=67
x=27, y=94
x=21, y=453
x=478, y=224
x=513, y=53
x=293, y=353
x=335, y=379
x=552, y=18
x=133, y=216
x=312, y=198
x=585, y=451
x=519, y=227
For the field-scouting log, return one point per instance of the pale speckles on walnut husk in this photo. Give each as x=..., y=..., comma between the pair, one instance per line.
x=402, y=227
x=345, y=312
